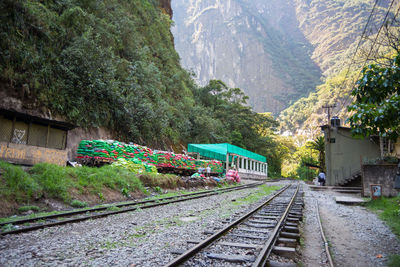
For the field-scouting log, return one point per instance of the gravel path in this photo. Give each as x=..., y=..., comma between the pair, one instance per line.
x=142, y=238
x=356, y=235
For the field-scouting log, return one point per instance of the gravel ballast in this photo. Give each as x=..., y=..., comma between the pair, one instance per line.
x=142, y=238
x=356, y=235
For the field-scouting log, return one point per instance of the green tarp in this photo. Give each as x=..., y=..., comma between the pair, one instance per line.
x=219, y=151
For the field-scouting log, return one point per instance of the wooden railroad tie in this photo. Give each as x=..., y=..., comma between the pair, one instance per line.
x=290, y=235
x=287, y=242
x=285, y=252
x=231, y=258
x=239, y=245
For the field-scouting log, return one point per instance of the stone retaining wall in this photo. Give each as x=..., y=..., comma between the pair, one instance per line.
x=379, y=174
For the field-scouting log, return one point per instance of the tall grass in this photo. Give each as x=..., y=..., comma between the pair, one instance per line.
x=17, y=184
x=95, y=179
x=58, y=182
x=53, y=180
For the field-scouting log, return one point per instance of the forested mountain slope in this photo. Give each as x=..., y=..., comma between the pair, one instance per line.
x=112, y=64
x=336, y=35
x=276, y=51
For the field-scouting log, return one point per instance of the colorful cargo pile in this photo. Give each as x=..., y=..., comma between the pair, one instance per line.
x=110, y=151
x=172, y=160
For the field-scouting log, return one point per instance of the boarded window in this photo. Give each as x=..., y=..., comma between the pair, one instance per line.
x=20, y=133
x=37, y=135
x=5, y=129
x=29, y=133
x=57, y=138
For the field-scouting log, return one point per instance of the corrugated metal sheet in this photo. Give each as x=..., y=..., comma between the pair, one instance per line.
x=219, y=151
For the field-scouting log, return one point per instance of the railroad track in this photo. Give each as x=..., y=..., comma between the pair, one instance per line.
x=249, y=241
x=31, y=224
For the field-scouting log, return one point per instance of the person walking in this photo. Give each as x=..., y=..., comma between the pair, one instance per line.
x=321, y=178
x=208, y=169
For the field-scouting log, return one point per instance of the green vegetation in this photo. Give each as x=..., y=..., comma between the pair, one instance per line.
x=59, y=182
x=16, y=183
x=113, y=208
x=261, y=192
x=375, y=110
x=113, y=64
x=28, y=208
x=308, y=114
x=388, y=210
x=7, y=227
x=336, y=50
x=340, y=24
x=78, y=204
x=67, y=184
x=294, y=164
x=33, y=215
x=394, y=260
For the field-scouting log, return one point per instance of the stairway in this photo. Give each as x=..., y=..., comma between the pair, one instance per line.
x=353, y=180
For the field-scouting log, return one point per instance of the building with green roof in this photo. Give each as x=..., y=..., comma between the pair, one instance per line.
x=248, y=163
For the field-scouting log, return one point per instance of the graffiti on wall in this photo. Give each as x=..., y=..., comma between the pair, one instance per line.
x=31, y=155
x=18, y=137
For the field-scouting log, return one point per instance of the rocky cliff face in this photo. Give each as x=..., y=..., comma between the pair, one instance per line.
x=276, y=50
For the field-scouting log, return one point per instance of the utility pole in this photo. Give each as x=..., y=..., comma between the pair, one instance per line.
x=328, y=148
x=328, y=107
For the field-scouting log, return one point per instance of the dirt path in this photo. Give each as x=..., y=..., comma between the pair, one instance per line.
x=357, y=236
x=313, y=253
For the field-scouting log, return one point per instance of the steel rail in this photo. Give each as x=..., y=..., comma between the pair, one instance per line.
x=326, y=244
x=125, y=204
x=137, y=205
x=193, y=251
x=266, y=251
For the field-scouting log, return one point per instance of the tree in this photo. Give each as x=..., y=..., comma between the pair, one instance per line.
x=377, y=105
x=319, y=145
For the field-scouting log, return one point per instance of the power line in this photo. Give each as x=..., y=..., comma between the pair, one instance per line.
x=358, y=45
x=379, y=31
x=329, y=107
x=372, y=46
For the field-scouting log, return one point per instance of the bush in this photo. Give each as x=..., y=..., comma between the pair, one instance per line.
x=78, y=204
x=17, y=184
x=28, y=208
x=394, y=260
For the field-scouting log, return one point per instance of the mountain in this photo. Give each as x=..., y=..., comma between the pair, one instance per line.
x=335, y=29
x=111, y=66
x=276, y=51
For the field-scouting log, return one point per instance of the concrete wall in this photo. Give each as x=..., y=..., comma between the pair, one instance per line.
x=343, y=154
x=29, y=155
x=249, y=176
x=76, y=135
x=379, y=174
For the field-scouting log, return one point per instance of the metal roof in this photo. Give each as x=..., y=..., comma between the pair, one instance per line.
x=219, y=151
